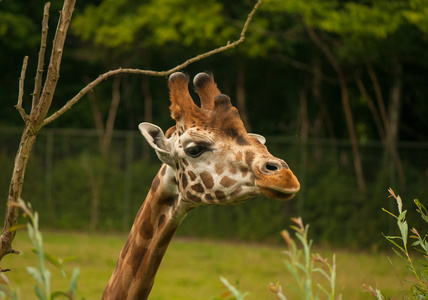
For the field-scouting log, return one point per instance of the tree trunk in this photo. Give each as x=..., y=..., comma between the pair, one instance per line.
x=346, y=107
x=34, y=121
x=316, y=91
x=111, y=118
x=394, y=119
x=27, y=141
x=371, y=107
x=391, y=121
x=395, y=101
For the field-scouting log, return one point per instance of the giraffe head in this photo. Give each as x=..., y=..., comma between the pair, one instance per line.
x=214, y=159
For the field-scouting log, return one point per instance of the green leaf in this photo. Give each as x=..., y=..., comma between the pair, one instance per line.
x=235, y=292
x=323, y=272
x=292, y=270
x=73, y=280
x=320, y=287
x=391, y=240
x=47, y=280
x=399, y=254
x=36, y=274
x=422, y=210
x=402, y=216
x=404, y=229
x=40, y=293
x=389, y=213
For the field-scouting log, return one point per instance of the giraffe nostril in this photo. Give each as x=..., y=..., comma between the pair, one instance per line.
x=270, y=167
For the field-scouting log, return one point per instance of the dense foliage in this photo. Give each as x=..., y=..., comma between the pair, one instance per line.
x=302, y=65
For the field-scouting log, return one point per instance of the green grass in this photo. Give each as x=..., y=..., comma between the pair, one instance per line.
x=191, y=268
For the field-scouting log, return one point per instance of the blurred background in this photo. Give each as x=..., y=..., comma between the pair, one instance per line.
x=338, y=88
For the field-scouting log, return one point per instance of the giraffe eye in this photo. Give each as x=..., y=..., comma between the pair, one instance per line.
x=196, y=151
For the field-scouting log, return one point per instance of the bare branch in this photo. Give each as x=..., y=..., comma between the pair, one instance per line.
x=21, y=90
x=41, y=61
x=104, y=76
x=55, y=61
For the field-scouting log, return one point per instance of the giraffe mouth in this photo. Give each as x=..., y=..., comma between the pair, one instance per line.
x=277, y=193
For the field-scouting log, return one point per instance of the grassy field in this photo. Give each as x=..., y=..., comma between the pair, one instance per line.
x=191, y=268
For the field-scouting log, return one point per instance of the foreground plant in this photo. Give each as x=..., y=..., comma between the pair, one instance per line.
x=233, y=291
x=303, y=265
x=41, y=273
x=419, y=287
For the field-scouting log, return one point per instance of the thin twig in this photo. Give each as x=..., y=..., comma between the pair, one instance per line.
x=41, y=61
x=104, y=76
x=21, y=90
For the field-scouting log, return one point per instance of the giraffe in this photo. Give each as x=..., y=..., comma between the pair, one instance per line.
x=208, y=158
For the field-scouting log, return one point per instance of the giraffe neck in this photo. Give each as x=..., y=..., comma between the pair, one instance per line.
x=154, y=226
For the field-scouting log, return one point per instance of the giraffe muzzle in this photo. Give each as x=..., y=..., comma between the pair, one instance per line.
x=275, y=179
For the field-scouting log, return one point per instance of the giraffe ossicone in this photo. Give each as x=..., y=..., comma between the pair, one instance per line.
x=208, y=158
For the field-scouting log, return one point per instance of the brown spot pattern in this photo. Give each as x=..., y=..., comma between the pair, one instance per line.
x=136, y=258
x=192, y=197
x=155, y=183
x=164, y=241
x=220, y=196
x=198, y=188
x=146, y=228
x=191, y=175
x=161, y=221
x=232, y=168
x=249, y=158
x=207, y=179
x=226, y=181
x=209, y=198
x=163, y=170
x=166, y=199
x=243, y=171
x=183, y=180
x=219, y=169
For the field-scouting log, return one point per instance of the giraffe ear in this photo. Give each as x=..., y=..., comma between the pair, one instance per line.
x=156, y=138
x=261, y=138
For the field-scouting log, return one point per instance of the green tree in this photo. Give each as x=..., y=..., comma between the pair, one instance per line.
x=365, y=33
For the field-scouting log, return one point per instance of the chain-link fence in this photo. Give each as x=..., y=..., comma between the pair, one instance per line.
x=75, y=186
